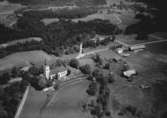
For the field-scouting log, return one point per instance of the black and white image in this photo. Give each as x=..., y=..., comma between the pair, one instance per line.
x=83, y=59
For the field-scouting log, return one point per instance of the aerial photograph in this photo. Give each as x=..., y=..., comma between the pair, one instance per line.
x=83, y=59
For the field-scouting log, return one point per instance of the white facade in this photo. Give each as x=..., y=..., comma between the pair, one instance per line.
x=47, y=72
x=129, y=73
x=137, y=47
x=50, y=74
x=62, y=74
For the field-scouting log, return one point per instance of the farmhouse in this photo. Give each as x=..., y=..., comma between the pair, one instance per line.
x=129, y=73
x=58, y=73
x=137, y=47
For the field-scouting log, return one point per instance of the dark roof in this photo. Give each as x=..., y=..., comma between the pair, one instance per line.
x=58, y=69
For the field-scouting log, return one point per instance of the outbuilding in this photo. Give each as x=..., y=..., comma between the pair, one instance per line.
x=129, y=73
x=137, y=47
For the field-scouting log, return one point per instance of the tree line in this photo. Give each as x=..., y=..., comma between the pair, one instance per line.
x=58, y=37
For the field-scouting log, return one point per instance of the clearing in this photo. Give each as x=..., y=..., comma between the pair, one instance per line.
x=65, y=105
x=24, y=58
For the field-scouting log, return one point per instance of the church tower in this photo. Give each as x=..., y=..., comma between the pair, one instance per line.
x=81, y=49
x=46, y=70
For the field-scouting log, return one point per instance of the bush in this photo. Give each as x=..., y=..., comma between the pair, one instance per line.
x=3, y=112
x=107, y=66
x=4, y=78
x=131, y=109
x=92, y=89
x=96, y=111
x=108, y=113
x=68, y=72
x=74, y=63
x=90, y=78
x=42, y=82
x=97, y=73
x=96, y=58
x=91, y=92
x=111, y=80
x=86, y=69
x=35, y=70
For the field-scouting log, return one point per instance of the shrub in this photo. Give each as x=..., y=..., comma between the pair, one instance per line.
x=68, y=72
x=42, y=82
x=111, y=80
x=4, y=78
x=74, y=63
x=97, y=73
x=107, y=66
x=131, y=109
x=35, y=70
x=86, y=69
x=98, y=59
x=108, y=113
x=91, y=92
x=115, y=104
x=92, y=89
x=90, y=78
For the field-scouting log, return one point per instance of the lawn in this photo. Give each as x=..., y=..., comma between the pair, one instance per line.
x=65, y=105
x=9, y=7
x=158, y=48
x=103, y=16
x=24, y=58
x=131, y=39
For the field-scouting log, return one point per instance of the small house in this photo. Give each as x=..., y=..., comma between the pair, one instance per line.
x=129, y=73
x=120, y=50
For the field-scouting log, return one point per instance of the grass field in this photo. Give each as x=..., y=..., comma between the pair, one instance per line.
x=6, y=7
x=131, y=39
x=158, y=48
x=102, y=16
x=24, y=58
x=65, y=105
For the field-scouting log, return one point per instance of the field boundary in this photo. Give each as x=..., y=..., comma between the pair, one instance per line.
x=22, y=102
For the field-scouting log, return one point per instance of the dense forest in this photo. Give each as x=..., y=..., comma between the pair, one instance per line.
x=59, y=2
x=14, y=34
x=155, y=22
x=58, y=37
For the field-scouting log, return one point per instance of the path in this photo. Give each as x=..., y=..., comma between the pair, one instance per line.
x=91, y=52
x=148, y=43
x=145, y=43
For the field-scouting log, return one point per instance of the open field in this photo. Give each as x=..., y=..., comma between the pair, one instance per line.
x=104, y=16
x=65, y=105
x=24, y=58
x=122, y=19
x=6, y=8
x=149, y=66
x=130, y=39
x=158, y=48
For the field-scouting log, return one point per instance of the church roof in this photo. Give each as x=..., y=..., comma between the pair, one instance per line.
x=57, y=69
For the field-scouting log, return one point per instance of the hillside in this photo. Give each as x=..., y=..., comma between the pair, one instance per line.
x=24, y=58
x=59, y=2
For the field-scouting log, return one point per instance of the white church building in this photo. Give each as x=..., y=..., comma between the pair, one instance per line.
x=58, y=73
